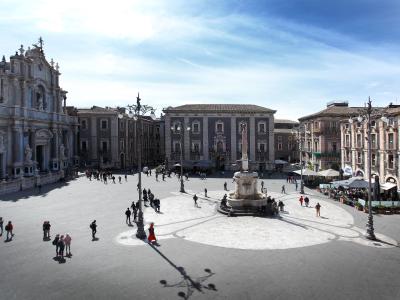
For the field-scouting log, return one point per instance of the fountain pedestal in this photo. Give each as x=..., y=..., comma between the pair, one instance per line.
x=245, y=197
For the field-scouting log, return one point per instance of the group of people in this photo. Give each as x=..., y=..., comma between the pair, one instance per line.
x=306, y=201
x=104, y=176
x=8, y=228
x=62, y=243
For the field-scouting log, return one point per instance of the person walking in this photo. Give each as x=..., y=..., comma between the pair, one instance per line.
x=61, y=247
x=126, y=177
x=281, y=205
x=152, y=237
x=67, y=241
x=128, y=216
x=318, y=209
x=301, y=200
x=55, y=243
x=119, y=179
x=306, y=201
x=1, y=226
x=262, y=186
x=195, y=200
x=134, y=211
x=283, y=191
x=205, y=192
x=296, y=185
x=9, y=229
x=113, y=179
x=225, y=186
x=93, y=226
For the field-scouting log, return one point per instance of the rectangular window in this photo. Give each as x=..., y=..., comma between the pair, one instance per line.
x=195, y=128
x=83, y=125
x=177, y=147
x=261, y=128
x=334, y=147
x=220, y=127
x=104, y=146
x=390, y=161
x=84, y=146
x=347, y=140
x=359, y=158
x=290, y=145
x=122, y=124
x=121, y=145
x=280, y=146
x=373, y=161
x=261, y=147
x=373, y=140
x=390, y=140
x=358, y=140
x=104, y=124
x=196, y=147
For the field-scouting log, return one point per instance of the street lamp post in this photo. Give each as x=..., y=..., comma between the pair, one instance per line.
x=136, y=111
x=180, y=131
x=367, y=114
x=299, y=130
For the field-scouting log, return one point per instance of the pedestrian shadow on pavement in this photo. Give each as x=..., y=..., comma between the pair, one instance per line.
x=292, y=223
x=59, y=259
x=188, y=283
x=95, y=239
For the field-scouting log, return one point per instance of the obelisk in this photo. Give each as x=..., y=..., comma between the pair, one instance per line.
x=245, y=160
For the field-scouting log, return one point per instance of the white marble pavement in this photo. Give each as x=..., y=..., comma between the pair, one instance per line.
x=297, y=227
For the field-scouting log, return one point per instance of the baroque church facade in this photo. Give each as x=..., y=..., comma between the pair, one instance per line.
x=38, y=139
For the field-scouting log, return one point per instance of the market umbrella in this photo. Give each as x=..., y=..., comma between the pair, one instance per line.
x=177, y=165
x=306, y=172
x=280, y=162
x=329, y=173
x=358, y=184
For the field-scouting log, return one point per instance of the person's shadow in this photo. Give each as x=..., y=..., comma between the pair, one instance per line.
x=95, y=239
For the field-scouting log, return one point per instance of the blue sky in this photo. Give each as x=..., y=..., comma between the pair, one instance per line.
x=292, y=56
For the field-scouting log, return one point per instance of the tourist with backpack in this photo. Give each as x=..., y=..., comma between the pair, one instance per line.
x=9, y=229
x=55, y=243
x=93, y=226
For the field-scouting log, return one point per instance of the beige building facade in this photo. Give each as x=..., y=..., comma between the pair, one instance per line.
x=385, y=147
x=321, y=136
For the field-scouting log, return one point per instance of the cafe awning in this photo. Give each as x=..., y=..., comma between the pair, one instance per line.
x=388, y=185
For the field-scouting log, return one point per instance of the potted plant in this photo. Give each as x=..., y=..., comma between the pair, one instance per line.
x=359, y=206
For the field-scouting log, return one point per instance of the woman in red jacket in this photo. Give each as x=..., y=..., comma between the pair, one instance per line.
x=152, y=236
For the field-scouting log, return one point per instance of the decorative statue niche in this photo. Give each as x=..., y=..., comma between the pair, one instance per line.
x=40, y=98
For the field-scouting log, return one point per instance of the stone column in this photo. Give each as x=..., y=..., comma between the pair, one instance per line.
x=271, y=146
x=252, y=142
x=114, y=139
x=167, y=140
x=186, y=138
x=17, y=145
x=205, y=139
x=32, y=142
x=23, y=93
x=75, y=145
x=233, y=140
x=93, y=138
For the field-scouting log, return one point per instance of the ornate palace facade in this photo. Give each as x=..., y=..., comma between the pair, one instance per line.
x=210, y=135
x=37, y=137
